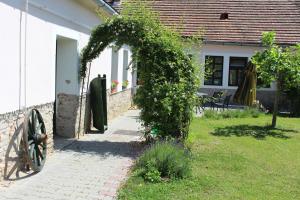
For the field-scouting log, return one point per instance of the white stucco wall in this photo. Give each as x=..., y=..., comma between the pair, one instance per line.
x=228, y=51
x=31, y=81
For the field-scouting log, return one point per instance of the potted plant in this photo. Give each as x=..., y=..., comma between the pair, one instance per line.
x=125, y=84
x=114, y=85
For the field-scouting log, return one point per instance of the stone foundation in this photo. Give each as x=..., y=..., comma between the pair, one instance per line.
x=11, y=131
x=66, y=115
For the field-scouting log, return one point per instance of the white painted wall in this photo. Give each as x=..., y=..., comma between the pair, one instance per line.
x=31, y=81
x=228, y=51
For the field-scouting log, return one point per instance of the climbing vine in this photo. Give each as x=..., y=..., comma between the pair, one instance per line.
x=166, y=97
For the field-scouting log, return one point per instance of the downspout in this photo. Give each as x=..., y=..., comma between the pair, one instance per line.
x=25, y=56
x=20, y=61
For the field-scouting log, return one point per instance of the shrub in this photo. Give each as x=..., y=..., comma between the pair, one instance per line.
x=249, y=112
x=163, y=160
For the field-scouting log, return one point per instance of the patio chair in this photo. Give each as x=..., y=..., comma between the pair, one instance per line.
x=202, y=100
x=216, y=98
x=223, y=104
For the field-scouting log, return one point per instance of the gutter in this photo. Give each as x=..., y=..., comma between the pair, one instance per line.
x=106, y=6
x=248, y=44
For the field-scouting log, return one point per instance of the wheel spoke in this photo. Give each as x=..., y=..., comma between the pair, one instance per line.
x=31, y=150
x=33, y=122
x=38, y=128
x=40, y=153
x=30, y=142
x=30, y=130
x=36, y=123
x=37, y=156
x=34, y=156
x=43, y=145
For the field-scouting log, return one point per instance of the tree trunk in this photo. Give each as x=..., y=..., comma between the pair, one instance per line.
x=275, y=107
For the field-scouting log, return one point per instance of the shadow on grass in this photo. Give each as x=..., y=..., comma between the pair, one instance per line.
x=258, y=132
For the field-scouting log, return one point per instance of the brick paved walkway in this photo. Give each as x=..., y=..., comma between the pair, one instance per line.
x=90, y=168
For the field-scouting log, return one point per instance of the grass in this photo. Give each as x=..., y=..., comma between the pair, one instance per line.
x=236, y=158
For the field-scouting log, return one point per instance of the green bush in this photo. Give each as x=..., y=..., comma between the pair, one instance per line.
x=163, y=160
x=249, y=112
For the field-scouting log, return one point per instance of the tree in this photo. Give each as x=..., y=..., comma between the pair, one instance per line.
x=278, y=64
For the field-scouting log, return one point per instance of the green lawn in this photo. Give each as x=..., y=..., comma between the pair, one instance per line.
x=234, y=159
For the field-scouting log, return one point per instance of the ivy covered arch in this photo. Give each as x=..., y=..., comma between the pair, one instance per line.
x=166, y=97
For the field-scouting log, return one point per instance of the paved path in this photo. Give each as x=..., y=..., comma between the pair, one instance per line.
x=90, y=168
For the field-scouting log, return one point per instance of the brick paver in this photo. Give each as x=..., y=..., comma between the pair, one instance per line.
x=90, y=168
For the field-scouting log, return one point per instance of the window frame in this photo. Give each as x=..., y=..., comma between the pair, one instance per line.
x=212, y=76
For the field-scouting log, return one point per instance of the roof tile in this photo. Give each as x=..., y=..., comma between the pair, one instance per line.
x=247, y=19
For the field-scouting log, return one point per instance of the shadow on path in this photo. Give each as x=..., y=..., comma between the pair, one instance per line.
x=258, y=132
x=106, y=148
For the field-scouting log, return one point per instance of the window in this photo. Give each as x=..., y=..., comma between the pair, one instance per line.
x=237, y=66
x=114, y=64
x=213, y=70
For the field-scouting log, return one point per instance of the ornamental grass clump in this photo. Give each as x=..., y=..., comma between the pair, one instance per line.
x=248, y=112
x=164, y=160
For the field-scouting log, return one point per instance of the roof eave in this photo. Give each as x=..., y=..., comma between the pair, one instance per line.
x=249, y=44
x=107, y=7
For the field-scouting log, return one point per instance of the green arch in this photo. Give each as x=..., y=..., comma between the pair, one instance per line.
x=166, y=97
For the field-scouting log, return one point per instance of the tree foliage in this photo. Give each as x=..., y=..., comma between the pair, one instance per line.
x=166, y=97
x=276, y=63
x=279, y=64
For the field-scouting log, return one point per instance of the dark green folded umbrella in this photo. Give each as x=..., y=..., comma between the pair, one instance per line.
x=98, y=103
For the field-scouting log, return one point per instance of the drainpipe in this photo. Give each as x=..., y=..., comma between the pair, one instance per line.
x=20, y=61
x=25, y=55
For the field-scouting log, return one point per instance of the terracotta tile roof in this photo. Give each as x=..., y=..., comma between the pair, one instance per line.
x=246, y=19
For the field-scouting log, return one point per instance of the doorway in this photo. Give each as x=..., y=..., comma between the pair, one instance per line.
x=66, y=87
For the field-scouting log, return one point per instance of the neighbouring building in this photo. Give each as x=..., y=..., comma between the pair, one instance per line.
x=41, y=41
x=232, y=32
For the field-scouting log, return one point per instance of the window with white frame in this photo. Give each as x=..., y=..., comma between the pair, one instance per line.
x=213, y=70
x=237, y=66
x=114, y=65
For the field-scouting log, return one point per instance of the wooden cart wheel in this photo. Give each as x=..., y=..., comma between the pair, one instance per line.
x=35, y=140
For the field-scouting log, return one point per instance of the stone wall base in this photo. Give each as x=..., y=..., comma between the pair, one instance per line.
x=118, y=103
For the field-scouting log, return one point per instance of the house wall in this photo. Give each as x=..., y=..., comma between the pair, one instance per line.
x=227, y=51
x=28, y=68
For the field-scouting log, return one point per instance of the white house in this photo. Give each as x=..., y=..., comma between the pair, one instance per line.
x=41, y=41
x=232, y=33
